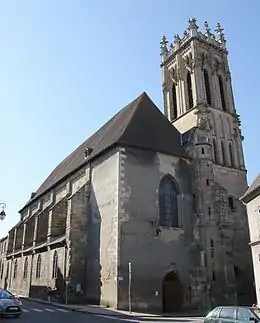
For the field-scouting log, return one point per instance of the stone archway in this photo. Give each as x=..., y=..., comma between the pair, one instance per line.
x=172, y=293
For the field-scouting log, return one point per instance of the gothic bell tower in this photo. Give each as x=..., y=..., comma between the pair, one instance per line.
x=198, y=100
x=195, y=76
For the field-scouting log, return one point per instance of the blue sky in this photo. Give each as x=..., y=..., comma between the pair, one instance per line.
x=67, y=66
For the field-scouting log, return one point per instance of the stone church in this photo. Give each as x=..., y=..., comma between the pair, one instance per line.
x=158, y=191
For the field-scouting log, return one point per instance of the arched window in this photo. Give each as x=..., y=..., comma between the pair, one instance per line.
x=168, y=203
x=207, y=86
x=174, y=101
x=55, y=265
x=222, y=94
x=223, y=154
x=2, y=270
x=189, y=87
x=215, y=150
x=38, y=267
x=25, y=268
x=15, y=268
x=231, y=155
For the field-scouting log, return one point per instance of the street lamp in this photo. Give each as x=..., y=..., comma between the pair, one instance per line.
x=2, y=213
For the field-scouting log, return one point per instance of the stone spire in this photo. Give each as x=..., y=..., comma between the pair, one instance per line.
x=220, y=35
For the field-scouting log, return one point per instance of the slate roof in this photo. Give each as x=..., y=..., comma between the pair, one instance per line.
x=252, y=188
x=140, y=124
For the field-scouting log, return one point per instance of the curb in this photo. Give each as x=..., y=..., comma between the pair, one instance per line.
x=114, y=315
x=41, y=301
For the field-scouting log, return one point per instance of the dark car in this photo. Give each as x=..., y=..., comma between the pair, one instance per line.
x=233, y=314
x=10, y=304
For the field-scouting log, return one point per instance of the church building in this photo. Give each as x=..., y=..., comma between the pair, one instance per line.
x=150, y=195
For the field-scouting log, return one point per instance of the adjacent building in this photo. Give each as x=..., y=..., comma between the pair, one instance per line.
x=252, y=200
x=158, y=191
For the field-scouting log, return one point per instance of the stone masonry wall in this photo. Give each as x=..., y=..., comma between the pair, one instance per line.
x=30, y=285
x=102, y=231
x=152, y=253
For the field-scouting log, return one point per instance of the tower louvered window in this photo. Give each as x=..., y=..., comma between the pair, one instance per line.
x=207, y=86
x=222, y=94
x=174, y=101
x=189, y=87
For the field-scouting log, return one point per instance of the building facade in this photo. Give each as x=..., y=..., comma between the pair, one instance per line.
x=158, y=192
x=252, y=200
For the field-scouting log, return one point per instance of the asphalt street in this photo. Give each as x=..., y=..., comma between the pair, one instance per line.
x=44, y=313
x=41, y=313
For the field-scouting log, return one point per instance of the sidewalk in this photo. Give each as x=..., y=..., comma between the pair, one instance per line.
x=99, y=310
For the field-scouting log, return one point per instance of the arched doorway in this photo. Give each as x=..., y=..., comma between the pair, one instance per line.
x=172, y=293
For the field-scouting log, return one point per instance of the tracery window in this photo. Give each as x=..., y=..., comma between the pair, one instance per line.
x=2, y=270
x=207, y=86
x=55, y=265
x=25, y=269
x=168, y=203
x=38, y=266
x=189, y=87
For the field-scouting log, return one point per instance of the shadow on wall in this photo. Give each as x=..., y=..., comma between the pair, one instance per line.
x=42, y=291
x=93, y=267
x=93, y=286
x=244, y=285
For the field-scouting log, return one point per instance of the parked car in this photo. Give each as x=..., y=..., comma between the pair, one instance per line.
x=10, y=304
x=232, y=314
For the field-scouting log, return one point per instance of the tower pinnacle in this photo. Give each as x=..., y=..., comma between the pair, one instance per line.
x=220, y=35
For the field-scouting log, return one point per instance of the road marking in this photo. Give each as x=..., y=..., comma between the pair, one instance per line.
x=118, y=319
x=25, y=310
x=36, y=310
x=49, y=310
x=62, y=310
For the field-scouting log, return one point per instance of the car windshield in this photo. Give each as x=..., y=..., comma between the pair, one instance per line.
x=256, y=311
x=5, y=295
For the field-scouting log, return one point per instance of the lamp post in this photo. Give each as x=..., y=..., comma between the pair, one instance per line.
x=2, y=210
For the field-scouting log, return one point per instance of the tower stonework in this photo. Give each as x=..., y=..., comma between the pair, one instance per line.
x=198, y=100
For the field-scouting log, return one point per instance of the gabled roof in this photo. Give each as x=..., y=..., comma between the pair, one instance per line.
x=252, y=189
x=140, y=124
